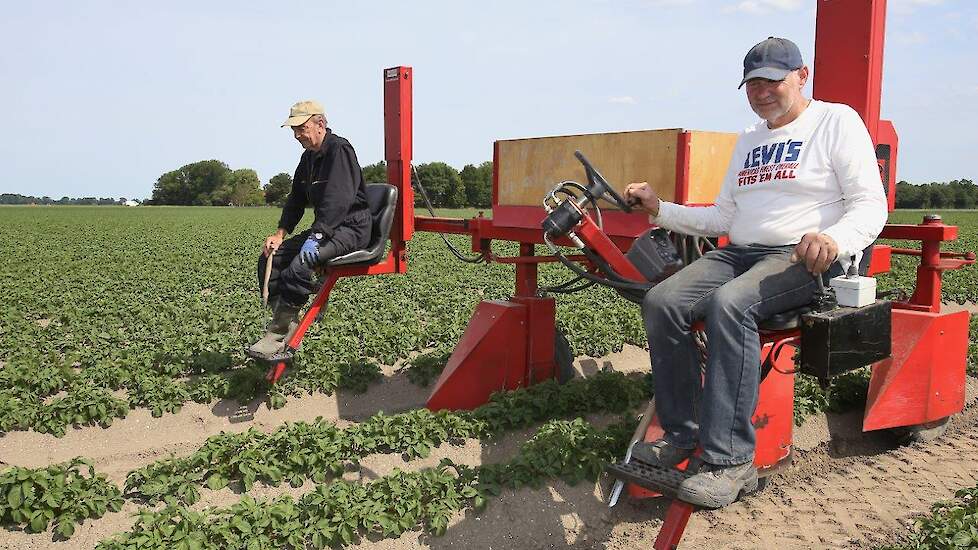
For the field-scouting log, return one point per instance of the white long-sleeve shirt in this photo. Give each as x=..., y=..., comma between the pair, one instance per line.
x=817, y=174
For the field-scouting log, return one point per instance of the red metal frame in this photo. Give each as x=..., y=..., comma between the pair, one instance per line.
x=510, y=344
x=849, y=38
x=620, y=226
x=924, y=379
x=673, y=527
x=490, y=357
x=933, y=263
x=398, y=150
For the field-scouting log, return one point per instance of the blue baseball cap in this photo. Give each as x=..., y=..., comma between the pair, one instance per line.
x=772, y=59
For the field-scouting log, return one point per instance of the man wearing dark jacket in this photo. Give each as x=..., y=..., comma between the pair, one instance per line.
x=329, y=180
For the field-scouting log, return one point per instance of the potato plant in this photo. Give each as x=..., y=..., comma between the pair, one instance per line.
x=61, y=495
x=319, y=450
x=341, y=513
x=160, y=317
x=950, y=524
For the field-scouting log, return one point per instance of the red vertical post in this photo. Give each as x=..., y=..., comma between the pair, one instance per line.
x=928, y=289
x=398, y=124
x=677, y=516
x=526, y=273
x=849, y=56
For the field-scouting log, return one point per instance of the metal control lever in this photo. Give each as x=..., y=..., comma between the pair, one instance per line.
x=824, y=297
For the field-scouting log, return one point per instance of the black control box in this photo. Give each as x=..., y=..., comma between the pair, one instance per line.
x=654, y=255
x=843, y=339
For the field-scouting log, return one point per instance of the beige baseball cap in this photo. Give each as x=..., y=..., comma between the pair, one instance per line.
x=301, y=112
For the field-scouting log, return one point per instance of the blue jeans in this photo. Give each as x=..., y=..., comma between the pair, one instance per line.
x=731, y=289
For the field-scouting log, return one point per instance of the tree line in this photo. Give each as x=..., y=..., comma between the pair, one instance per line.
x=208, y=183
x=937, y=195
x=213, y=183
x=14, y=198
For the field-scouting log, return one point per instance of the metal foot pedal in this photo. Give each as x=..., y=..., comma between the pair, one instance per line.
x=664, y=481
x=284, y=355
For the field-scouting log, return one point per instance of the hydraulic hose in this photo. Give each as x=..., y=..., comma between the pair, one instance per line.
x=481, y=258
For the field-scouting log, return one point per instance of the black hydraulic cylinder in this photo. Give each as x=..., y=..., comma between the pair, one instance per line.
x=559, y=222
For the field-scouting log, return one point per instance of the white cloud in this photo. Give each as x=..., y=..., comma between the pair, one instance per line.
x=918, y=2
x=761, y=7
x=911, y=38
x=669, y=3
x=623, y=100
x=905, y=7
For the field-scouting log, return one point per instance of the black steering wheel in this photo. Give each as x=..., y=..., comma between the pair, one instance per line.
x=598, y=187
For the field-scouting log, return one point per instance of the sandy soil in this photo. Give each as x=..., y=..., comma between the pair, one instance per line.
x=845, y=488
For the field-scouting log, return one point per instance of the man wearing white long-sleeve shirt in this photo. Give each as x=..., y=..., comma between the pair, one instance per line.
x=803, y=190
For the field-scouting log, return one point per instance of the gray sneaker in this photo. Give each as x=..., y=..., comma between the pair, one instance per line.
x=660, y=453
x=716, y=486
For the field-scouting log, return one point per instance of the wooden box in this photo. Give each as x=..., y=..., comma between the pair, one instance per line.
x=683, y=166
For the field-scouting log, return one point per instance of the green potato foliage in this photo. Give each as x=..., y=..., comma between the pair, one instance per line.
x=153, y=306
x=62, y=495
x=949, y=525
x=340, y=513
x=298, y=451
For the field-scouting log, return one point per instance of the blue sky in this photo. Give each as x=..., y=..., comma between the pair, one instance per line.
x=101, y=98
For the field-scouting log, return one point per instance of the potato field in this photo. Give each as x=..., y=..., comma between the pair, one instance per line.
x=131, y=419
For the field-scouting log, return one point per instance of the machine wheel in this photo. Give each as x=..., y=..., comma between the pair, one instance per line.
x=921, y=433
x=762, y=483
x=564, y=358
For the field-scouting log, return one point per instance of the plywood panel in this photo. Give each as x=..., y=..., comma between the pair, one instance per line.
x=709, y=156
x=529, y=168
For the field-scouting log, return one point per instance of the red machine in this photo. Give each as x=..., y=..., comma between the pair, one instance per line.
x=514, y=343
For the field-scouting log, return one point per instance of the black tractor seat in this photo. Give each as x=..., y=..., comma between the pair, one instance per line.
x=382, y=199
x=785, y=320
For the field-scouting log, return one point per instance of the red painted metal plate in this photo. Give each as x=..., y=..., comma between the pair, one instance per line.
x=491, y=356
x=924, y=378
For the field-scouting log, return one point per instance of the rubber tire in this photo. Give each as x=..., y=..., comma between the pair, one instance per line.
x=921, y=433
x=564, y=358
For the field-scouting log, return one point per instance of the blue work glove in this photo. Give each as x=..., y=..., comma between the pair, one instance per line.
x=310, y=251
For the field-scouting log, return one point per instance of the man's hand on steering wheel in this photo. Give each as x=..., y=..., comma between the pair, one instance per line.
x=642, y=196
x=817, y=250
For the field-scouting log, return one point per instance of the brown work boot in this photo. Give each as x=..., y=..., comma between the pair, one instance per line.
x=660, y=453
x=716, y=486
x=285, y=318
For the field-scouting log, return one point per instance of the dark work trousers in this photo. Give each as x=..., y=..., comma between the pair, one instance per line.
x=292, y=279
x=731, y=289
